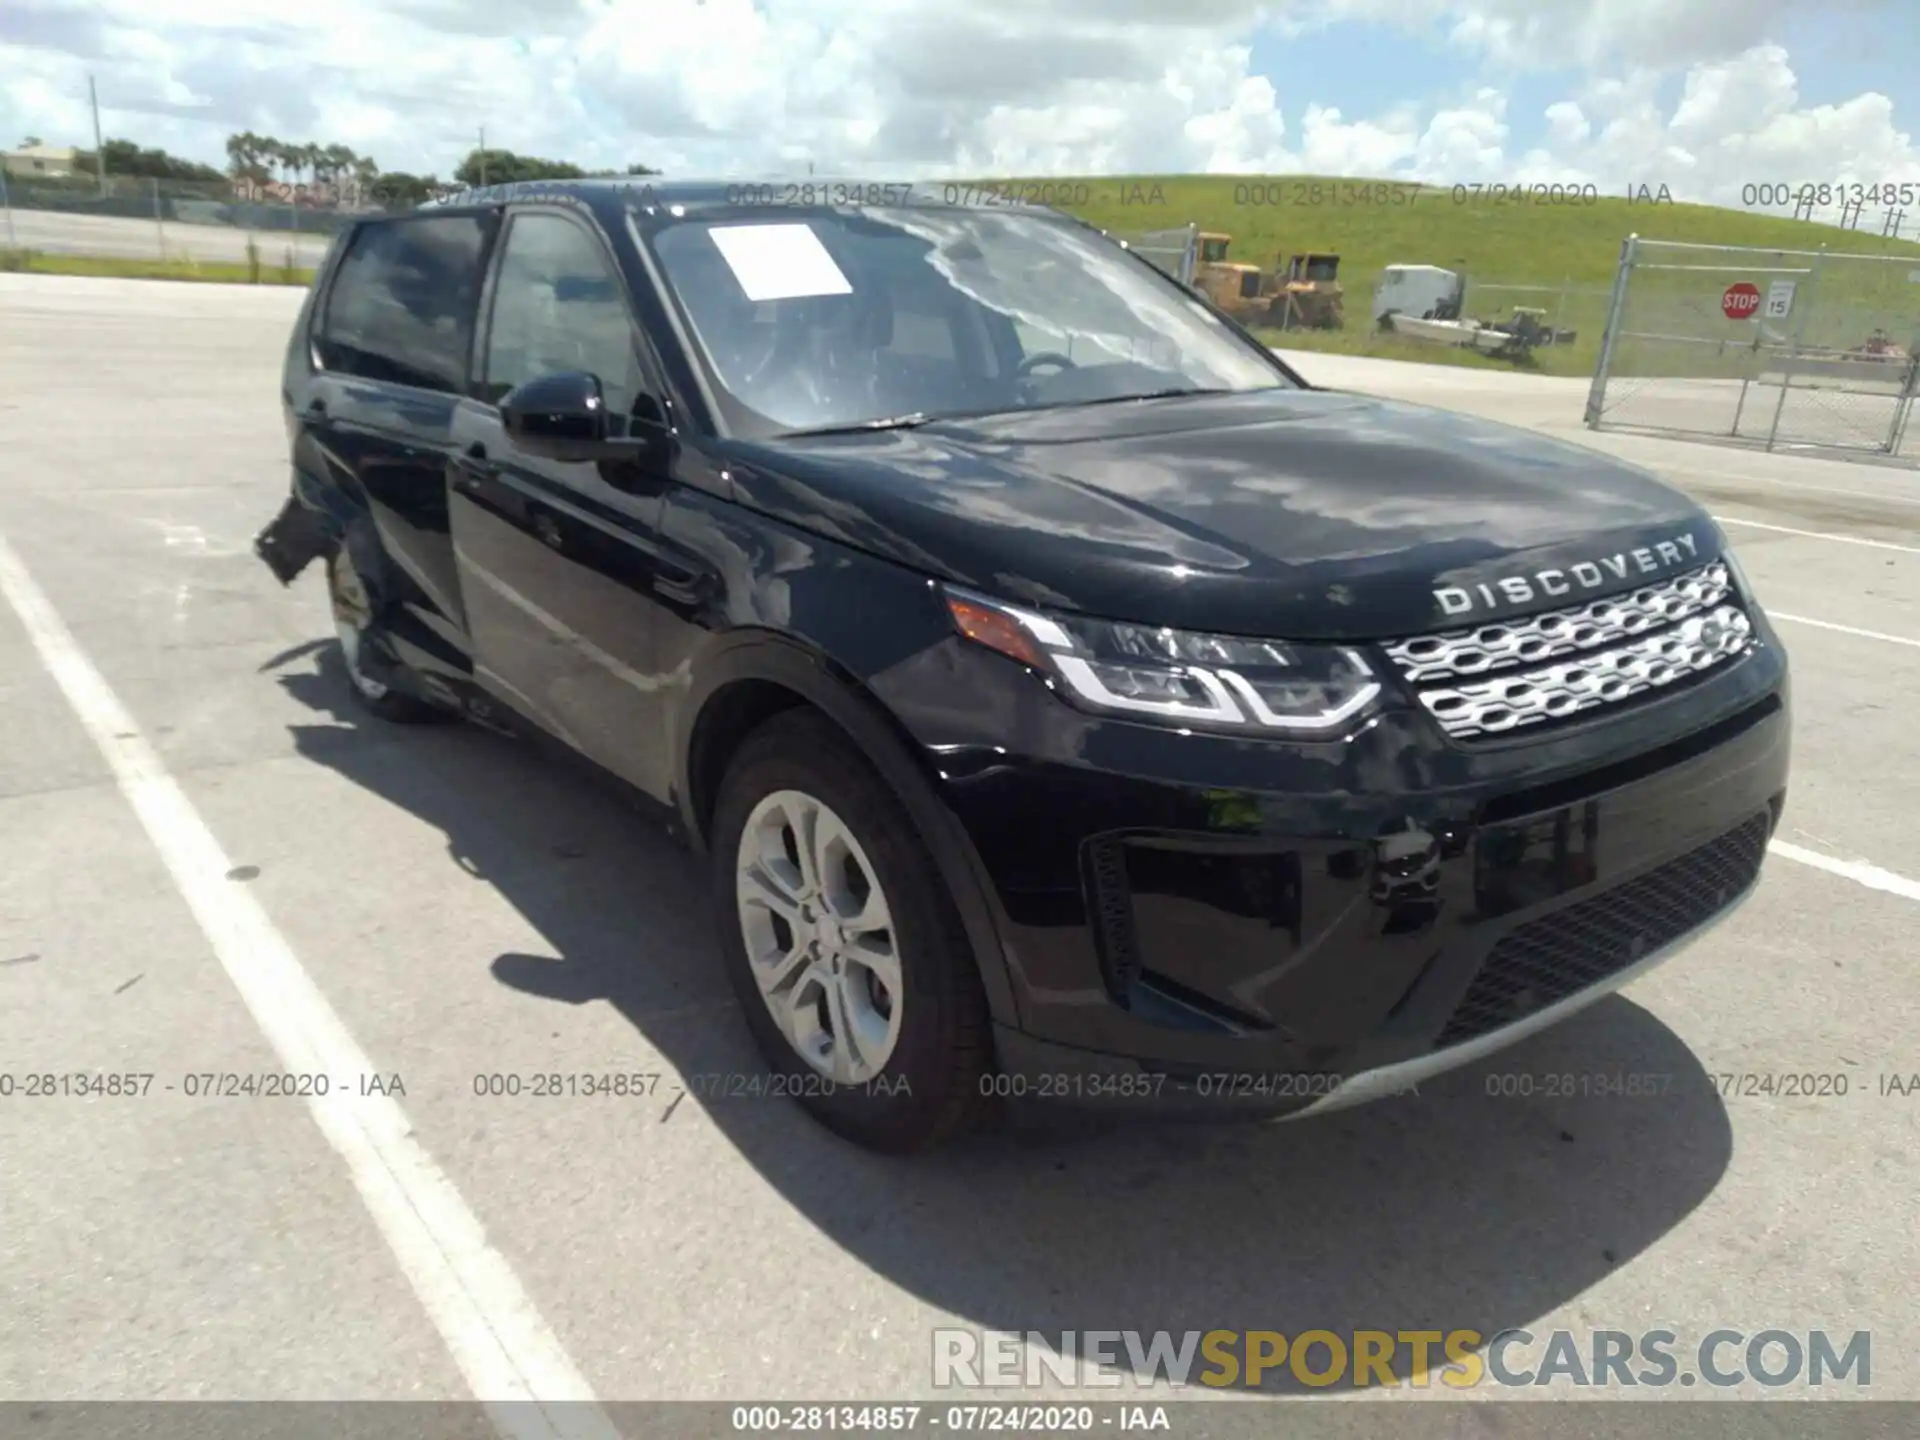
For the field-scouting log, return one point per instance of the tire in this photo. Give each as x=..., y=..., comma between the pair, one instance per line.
x=375, y=678
x=913, y=1075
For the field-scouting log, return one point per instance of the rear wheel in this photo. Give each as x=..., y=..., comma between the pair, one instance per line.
x=842, y=943
x=374, y=675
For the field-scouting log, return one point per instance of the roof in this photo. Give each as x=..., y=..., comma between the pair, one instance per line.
x=657, y=192
x=43, y=152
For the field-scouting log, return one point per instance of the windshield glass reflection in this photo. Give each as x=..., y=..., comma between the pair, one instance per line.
x=829, y=319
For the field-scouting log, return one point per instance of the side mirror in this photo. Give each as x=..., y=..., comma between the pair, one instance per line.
x=559, y=417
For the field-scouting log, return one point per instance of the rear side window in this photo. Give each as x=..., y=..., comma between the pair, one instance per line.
x=401, y=307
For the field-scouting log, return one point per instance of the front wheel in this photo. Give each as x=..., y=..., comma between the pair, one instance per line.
x=842, y=943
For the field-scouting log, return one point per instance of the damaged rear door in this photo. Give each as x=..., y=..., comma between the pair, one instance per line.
x=391, y=343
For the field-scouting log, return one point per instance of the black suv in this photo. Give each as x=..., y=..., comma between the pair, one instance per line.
x=1073, y=701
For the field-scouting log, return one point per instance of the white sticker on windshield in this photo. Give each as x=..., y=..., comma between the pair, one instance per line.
x=779, y=262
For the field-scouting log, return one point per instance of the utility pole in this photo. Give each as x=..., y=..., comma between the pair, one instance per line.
x=99, y=146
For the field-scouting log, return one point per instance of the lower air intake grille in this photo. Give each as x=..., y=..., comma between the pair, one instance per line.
x=1112, y=903
x=1560, y=954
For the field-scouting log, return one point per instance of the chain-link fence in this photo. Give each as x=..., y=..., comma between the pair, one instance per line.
x=1790, y=349
x=240, y=223
x=1173, y=251
x=276, y=225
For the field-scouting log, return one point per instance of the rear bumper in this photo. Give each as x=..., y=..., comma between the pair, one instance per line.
x=1402, y=907
x=297, y=536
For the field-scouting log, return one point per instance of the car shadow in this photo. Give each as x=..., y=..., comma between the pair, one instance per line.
x=1461, y=1207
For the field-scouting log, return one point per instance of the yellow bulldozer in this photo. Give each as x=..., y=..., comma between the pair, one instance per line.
x=1311, y=295
x=1306, y=295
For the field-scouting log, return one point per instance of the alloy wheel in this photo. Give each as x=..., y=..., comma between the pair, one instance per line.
x=819, y=936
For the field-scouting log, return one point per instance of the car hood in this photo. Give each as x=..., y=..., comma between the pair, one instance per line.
x=1305, y=514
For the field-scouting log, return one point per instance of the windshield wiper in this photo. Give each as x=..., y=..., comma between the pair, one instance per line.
x=915, y=418
x=1166, y=394
x=888, y=422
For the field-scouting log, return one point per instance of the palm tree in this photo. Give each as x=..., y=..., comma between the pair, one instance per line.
x=365, y=172
x=241, y=156
x=340, y=161
x=245, y=152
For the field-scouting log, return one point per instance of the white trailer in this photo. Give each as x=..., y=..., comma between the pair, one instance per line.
x=1421, y=292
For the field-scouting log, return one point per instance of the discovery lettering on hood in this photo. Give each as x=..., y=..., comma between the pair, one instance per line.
x=1592, y=574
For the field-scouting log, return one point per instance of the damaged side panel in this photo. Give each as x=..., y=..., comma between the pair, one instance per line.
x=369, y=401
x=304, y=530
x=293, y=540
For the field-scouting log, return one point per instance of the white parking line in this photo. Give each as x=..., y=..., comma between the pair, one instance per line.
x=1776, y=482
x=1858, y=871
x=509, y=1356
x=1820, y=535
x=1843, y=629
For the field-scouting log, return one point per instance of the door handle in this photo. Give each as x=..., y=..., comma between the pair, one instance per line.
x=472, y=468
x=316, y=409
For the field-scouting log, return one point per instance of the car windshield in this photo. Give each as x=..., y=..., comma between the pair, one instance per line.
x=827, y=319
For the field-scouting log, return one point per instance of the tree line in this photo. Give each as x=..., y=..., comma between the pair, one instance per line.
x=268, y=160
x=263, y=158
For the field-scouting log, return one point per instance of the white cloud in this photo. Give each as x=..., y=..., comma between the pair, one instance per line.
x=1738, y=122
x=891, y=87
x=1567, y=126
x=1336, y=146
x=1466, y=141
x=1552, y=34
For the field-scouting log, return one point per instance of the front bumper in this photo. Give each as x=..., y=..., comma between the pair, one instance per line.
x=1285, y=928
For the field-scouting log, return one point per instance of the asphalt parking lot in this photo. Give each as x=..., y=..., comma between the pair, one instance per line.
x=204, y=854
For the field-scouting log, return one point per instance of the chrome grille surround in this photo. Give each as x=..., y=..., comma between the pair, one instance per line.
x=1498, y=678
x=1459, y=654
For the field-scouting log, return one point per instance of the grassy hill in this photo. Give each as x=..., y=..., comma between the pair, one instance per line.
x=1564, y=254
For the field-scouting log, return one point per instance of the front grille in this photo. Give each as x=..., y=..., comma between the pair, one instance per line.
x=1493, y=679
x=1561, y=954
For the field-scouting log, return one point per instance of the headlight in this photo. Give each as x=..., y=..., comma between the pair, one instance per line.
x=1205, y=680
x=1741, y=582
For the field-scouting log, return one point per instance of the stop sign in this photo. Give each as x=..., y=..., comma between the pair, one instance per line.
x=1741, y=302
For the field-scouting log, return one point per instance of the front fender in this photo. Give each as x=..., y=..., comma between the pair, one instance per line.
x=765, y=656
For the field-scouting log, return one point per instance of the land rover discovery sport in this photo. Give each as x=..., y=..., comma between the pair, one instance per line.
x=1067, y=697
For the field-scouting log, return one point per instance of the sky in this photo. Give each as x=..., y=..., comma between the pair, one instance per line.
x=1707, y=97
